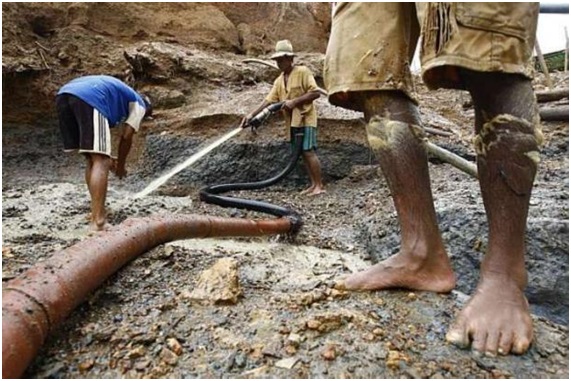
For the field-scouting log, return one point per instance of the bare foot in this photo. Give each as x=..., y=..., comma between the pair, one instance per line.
x=99, y=226
x=316, y=191
x=495, y=320
x=308, y=190
x=95, y=231
x=400, y=271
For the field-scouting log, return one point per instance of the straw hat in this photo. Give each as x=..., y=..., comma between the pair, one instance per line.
x=283, y=49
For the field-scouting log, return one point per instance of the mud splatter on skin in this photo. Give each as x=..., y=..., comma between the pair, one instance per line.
x=515, y=141
x=520, y=133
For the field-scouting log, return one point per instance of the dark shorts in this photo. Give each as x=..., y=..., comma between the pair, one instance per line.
x=82, y=127
x=309, y=137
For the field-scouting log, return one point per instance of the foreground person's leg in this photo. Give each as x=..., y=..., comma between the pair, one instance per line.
x=497, y=319
x=422, y=263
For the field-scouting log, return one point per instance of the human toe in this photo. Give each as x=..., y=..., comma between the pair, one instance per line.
x=492, y=343
x=458, y=335
x=479, y=341
x=520, y=344
x=505, y=343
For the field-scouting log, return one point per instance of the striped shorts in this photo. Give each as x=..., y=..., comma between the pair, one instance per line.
x=83, y=128
x=309, y=137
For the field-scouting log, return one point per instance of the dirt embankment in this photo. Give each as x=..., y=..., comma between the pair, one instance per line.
x=46, y=44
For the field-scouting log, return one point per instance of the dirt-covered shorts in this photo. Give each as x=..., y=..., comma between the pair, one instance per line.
x=372, y=44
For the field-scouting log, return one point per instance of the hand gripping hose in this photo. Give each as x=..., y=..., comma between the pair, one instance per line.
x=263, y=115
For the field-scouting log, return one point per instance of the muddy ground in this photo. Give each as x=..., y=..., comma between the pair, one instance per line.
x=287, y=321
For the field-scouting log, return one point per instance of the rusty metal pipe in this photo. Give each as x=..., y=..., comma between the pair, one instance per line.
x=42, y=297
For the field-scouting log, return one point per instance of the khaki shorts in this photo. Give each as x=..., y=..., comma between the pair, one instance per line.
x=372, y=44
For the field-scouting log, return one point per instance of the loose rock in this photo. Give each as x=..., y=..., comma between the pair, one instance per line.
x=218, y=284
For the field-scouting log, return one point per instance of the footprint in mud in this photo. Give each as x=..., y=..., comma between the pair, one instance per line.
x=74, y=211
x=14, y=211
x=34, y=239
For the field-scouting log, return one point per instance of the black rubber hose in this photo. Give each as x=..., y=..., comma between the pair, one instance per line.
x=211, y=193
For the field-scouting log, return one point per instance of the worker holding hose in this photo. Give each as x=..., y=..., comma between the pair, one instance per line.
x=484, y=48
x=87, y=108
x=297, y=88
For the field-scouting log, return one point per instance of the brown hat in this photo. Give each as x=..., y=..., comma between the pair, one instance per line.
x=283, y=49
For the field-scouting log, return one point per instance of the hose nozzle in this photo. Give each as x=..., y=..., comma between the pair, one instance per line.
x=263, y=115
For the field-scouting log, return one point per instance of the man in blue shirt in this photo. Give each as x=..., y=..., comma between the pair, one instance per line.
x=87, y=108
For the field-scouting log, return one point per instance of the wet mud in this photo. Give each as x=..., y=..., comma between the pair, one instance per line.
x=288, y=321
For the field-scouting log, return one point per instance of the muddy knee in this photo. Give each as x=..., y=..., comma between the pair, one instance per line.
x=387, y=135
x=508, y=149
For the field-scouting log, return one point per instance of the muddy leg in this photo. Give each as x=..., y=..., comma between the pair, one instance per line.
x=422, y=263
x=314, y=170
x=96, y=177
x=497, y=319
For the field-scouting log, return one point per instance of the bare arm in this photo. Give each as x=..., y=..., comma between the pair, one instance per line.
x=124, y=147
x=304, y=99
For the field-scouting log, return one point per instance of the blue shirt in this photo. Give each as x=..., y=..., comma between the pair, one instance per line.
x=111, y=97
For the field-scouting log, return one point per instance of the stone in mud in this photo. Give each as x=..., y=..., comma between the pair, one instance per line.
x=218, y=284
x=395, y=358
x=290, y=349
x=138, y=351
x=313, y=324
x=328, y=322
x=294, y=339
x=272, y=348
x=168, y=356
x=86, y=365
x=329, y=353
x=287, y=363
x=174, y=346
x=378, y=332
x=142, y=364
